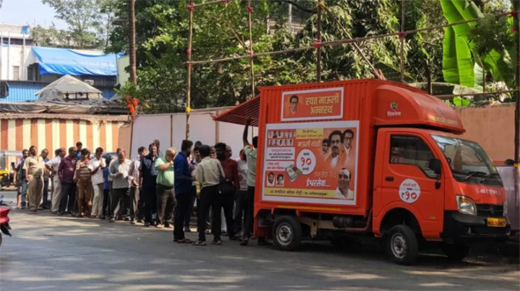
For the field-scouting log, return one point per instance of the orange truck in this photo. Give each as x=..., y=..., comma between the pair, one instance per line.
x=369, y=157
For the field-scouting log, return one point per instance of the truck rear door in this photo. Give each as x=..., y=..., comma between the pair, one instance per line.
x=404, y=180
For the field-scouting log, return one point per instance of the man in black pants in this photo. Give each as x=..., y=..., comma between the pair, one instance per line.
x=183, y=191
x=208, y=176
x=119, y=170
x=230, y=174
x=149, y=184
x=68, y=187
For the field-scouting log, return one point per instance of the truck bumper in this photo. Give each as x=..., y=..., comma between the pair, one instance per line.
x=464, y=228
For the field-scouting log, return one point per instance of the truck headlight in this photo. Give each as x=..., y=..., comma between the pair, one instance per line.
x=466, y=205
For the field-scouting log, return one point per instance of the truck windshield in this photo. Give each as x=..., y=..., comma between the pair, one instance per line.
x=469, y=163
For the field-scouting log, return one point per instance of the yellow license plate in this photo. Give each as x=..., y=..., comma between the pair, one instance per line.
x=496, y=222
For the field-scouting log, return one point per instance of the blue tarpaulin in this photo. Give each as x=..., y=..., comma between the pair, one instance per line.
x=69, y=62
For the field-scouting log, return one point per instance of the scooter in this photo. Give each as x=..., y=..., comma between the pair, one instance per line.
x=4, y=221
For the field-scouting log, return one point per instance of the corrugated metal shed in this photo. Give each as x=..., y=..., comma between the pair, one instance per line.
x=21, y=91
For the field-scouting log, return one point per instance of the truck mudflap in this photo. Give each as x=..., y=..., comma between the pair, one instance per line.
x=464, y=228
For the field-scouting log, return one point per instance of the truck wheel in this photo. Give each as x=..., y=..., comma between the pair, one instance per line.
x=402, y=245
x=456, y=252
x=287, y=233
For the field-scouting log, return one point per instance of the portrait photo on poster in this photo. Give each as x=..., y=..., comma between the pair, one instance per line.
x=313, y=162
x=312, y=105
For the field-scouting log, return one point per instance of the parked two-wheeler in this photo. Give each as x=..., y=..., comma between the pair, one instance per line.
x=4, y=221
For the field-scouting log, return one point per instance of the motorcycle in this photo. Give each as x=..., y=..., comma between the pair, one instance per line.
x=4, y=221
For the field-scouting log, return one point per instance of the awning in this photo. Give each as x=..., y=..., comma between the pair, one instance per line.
x=240, y=113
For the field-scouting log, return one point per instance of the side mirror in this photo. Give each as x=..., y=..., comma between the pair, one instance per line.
x=435, y=166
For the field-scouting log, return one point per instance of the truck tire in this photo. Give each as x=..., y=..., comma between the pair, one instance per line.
x=402, y=245
x=287, y=233
x=456, y=252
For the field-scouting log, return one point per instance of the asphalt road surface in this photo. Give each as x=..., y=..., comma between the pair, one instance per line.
x=64, y=253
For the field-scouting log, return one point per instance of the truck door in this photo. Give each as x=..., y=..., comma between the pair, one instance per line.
x=406, y=181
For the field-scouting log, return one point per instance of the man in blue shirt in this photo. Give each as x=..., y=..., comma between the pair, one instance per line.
x=183, y=183
x=149, y=184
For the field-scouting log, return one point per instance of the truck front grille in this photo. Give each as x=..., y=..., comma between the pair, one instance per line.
x=489, y=210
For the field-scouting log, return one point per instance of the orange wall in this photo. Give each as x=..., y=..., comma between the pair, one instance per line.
x=492, y=127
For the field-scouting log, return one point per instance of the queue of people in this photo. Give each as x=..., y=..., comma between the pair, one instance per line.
x=153, y=189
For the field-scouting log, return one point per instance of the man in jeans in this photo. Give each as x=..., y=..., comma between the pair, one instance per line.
x=135, y=184
x=183, y=190
x=165, y=192
x=148, y=175
x=250, y=151
x=96, y=170
x=120, y=184
x=230, y=174
x=68, y=187
x=240, y=205
x=21, y=198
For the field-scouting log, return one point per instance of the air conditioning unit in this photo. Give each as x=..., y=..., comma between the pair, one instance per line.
x=90, y=82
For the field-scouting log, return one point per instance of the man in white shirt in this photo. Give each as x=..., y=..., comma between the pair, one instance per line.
x=240, y=203
x=343, y=191
x=270, y=180
x=53, y=165
x=96, y=166
x=118, y=171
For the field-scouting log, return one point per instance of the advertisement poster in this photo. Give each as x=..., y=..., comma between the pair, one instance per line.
x=313, y=162
x=312, y=105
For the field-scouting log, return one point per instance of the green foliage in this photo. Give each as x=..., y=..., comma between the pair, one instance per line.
x=221, y=31
x=89, y=22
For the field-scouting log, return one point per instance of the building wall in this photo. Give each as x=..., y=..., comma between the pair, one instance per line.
x=492, y=127
x=19, y=133
x=11, y=56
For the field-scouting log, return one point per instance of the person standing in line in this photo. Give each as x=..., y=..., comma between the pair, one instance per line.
x=84, y=184
x=165, y=189
x=21, y=198
x=158, y=145
x=66, y=172
x=106, y=190
x=230, y=174
x=46, y=175
x=208, y=175
x=194, y=197
x=79, y=147
x=53, y=166
x=240, y=205
x=96, y=166
x=135, y=184
x=183, y=191
x=250, y=152
x=148, y=174
x=33, y=171
x=119, y=169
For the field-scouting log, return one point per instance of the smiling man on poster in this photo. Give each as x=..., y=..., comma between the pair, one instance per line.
x=343, y=191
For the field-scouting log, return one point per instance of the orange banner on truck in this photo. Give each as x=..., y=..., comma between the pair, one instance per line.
x=312, y=162
x=311, y=105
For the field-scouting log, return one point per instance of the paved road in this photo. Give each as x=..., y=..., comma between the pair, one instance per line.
x=65, y=253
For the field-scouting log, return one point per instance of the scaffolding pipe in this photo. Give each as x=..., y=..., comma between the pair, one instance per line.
x=401, y=38
x=318, y=42
x=251, y=51
x=343, y=41
x=191, y=8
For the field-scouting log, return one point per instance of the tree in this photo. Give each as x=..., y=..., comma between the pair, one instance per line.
x=89, y=21
x=221, y=31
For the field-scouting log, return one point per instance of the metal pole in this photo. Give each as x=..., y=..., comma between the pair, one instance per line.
x=517, y=81
x=191, y=8
x=251, y=51
x=133, y=66
x=318, y=46
x=401, y=37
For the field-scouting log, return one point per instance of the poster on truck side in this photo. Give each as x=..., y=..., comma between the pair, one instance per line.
x=313, y=162
x=312, y=105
